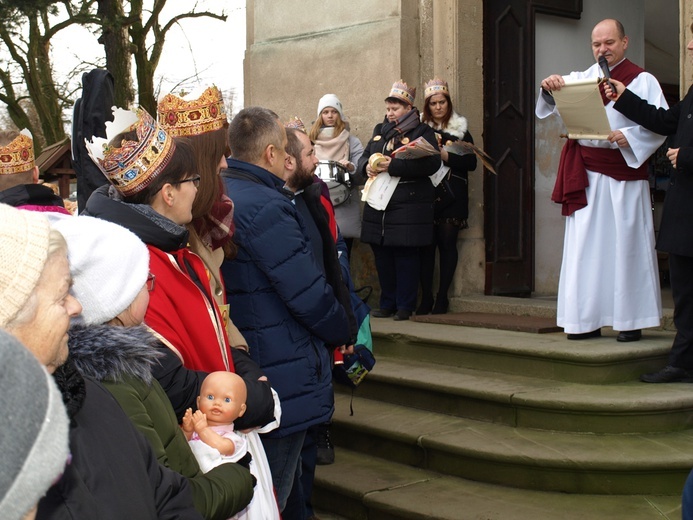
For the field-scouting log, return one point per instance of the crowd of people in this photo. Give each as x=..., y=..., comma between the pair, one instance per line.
x=184, y=326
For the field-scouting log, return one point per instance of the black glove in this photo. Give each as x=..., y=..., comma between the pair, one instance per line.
x=245, y=461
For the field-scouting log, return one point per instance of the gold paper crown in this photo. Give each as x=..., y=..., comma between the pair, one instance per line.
x=435, y=86
x=183, y=118
x=17, y=156
x=295, y=122
x=400, y=90
x=135, y=164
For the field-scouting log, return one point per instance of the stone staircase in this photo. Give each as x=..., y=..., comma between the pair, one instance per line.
x=461, y=423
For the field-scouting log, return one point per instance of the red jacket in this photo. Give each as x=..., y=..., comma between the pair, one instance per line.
x=188, y=319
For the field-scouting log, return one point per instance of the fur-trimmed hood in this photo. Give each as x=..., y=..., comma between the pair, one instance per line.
x=112, y=353
x=457, y=125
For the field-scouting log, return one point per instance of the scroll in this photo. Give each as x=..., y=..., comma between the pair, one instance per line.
x=582, y=109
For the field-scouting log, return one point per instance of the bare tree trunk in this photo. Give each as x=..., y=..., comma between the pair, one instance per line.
x=115, y=40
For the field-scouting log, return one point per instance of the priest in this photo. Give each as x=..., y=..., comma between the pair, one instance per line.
x=609, y=274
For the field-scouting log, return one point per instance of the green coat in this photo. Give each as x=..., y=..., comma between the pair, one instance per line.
x=121, y=358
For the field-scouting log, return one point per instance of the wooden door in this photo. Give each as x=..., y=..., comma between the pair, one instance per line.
x=509, y=99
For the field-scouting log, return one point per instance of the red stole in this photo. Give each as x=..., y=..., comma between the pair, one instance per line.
x=571, y=180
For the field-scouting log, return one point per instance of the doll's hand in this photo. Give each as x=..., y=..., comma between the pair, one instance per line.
x=199, y=420
x=187, y=424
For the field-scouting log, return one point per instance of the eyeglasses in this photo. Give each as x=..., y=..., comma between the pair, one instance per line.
x=195, y=180
x=150, y=282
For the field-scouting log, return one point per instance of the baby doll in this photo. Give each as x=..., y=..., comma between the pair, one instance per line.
x=214, y=441
x=210, y=429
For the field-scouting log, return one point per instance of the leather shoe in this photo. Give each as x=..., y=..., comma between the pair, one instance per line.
x=402, y=315
x=382, y=313
x=586, y=335
x=669, y=374
x=629, y=335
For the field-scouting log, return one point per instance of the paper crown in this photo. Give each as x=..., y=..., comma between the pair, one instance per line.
x=295, y=122
x=400, y=90
x=18, y=156
x=194, y=116
x=435, y=86
x=133, y=165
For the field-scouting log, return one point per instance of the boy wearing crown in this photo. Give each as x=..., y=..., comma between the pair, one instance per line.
x=19, y=176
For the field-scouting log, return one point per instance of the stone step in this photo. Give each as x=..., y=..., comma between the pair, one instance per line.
x=550, y=356
x=654, y=463
x=530, y=402
x=362, y=487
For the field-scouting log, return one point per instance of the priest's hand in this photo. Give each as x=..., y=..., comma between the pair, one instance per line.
x=617, y=137
x=672, y=155
x=553, y=82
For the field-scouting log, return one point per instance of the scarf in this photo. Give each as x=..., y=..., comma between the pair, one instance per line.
x=217, y=228
x=393, y=131
x=571, y=180
x=330, y=148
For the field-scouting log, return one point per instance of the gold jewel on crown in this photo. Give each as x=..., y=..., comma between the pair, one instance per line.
x=435, y=86
x=401, y=90
x=295, y=122
x=185, y=117
x=18, y=156
x=133, y=165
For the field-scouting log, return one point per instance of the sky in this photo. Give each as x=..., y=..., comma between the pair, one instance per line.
x=210, y=48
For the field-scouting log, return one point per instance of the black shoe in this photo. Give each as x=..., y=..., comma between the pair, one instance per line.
x=441, y=306
x=382, y=313
x=402, y=315
x=586, y=335
x=325, y=449
x=425, y=307
x=668, y=374
x=629, y=335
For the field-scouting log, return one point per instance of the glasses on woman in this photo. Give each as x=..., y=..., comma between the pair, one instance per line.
x=195, y=180
x=150, y=282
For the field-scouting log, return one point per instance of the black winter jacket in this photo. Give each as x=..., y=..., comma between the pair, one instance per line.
x=408, y=218
x=675, y=233
x=113, y=473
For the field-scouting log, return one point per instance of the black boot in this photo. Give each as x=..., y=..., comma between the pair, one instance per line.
x=426, y=305
x=441, y=306
x=325, y=448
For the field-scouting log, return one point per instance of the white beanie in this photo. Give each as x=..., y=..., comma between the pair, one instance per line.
x=109, y=266
x=23, y=254
x=330, y=100
x=33, y=430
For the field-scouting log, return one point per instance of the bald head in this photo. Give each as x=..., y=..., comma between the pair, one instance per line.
x=609, y=40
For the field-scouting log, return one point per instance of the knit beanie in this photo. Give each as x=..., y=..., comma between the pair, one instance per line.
x=330, y=100
x=109, y=266
x=33, y=430
x=23, y=254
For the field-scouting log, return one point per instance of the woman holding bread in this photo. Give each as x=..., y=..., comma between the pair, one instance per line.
x=406, y=224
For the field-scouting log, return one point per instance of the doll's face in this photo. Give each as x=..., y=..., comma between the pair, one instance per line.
x=222, y=398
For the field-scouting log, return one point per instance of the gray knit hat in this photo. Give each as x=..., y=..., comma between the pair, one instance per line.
x=108, y=263
x=33, y=430
x=23, y=254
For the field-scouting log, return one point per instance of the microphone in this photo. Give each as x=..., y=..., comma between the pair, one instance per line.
x=605, y=70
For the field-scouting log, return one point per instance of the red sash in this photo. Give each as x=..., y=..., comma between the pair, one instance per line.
x=571, y=180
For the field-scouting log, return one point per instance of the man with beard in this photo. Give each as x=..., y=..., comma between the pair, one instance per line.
x=279, y=296
x=313, y=204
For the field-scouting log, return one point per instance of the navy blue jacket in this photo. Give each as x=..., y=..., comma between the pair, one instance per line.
x=279, y=297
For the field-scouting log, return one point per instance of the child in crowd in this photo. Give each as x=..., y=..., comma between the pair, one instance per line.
x=333, y=142
x=211, y=435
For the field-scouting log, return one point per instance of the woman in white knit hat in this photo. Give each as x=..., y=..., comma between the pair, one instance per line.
x=333, y=141
x=110, y=343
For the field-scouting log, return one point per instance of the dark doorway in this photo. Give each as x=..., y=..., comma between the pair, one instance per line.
x=509, y=98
